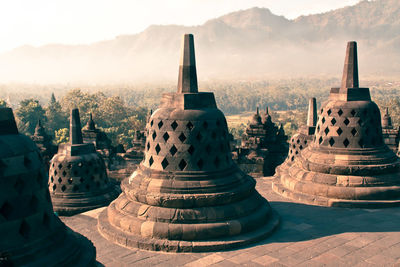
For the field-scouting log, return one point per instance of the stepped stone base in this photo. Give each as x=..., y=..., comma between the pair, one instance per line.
x=297, y=190
x=135, y=241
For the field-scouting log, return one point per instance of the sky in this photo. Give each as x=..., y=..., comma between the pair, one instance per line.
x=40, y=22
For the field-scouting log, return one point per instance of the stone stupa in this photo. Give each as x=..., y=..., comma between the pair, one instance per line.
x=348, y=164
x=305, y=135
x=30, y=233
x=78, y=178
x=391, y=135
x=187, y=195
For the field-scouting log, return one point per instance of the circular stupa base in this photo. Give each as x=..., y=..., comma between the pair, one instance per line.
x=293, y=189
x=134, y=241
x=71, y=205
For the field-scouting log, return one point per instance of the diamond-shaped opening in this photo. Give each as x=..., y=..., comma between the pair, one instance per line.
x=205, y=125
x=329, y=112
x=333, y=121
x=24, y=229
x=208, y=149
x=320, y=140
x=200, y=164
x=151, y=123
x=326, y=130
x=189, y=125
x=173, y=150
x=6, y=210
x=160, y=124
x=297, y=152
x=301, y=147
x=294, y=146
x=191, y=150
x=353, y=112
x=340, y=112
x=69, y=166
x=70, y=181
x=339, y=131
x=54, y=187
x=322, y=110
x=305, y=142
x=353, y=131
x=164, y=163
x=55, y=172
x=166, y=136
x=318, y=128
x=182, y=137
x=292, y=158
x=331, y=141
x=60, y=166
x=64, y=173
x=158, y=148
x=182, y=164
x=298, y=141
x=63, y=188
x=52, y=179
x=151, y=161
x=154, y=135
x=213, y=135
x=346, y=121
x=19, y=185
x=46, y=220
x=148, y=146
x=346, y=142
x=323, y=120
x=174, y=125
x=59, y=180
x=199, y=137
x=217, y=162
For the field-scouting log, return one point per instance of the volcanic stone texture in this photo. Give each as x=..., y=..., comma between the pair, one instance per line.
x=30, y=233
x=187, y=195
x=347, y=164
x=78, y=178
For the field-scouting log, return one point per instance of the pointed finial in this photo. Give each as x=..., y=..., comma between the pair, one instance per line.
x=350, y=70
x=266, y=111
x=75, y=130
x=7, y=122
x=39, y=130
x=258, y=113
x=187, y=80
x=387, y=111
x=312, y=112
x=90, y=124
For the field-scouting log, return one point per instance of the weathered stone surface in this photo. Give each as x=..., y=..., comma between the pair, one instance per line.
x=348, y=163
x=77, y=178
x=187, y=194
x=263, y=147
x=391, y=136
x=31, y=235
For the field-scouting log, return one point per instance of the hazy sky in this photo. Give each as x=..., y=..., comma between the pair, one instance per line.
x=38, y=22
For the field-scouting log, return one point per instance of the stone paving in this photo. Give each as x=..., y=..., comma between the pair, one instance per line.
x=308, y=236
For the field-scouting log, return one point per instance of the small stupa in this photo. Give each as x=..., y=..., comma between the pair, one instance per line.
x=44, y=143
x=391, y=135
x=78, y=178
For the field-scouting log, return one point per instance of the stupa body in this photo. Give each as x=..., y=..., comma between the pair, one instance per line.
x=187, y=194
x=347, y=164
x=30, y=233
x=263, y=146
x=305, y=135
x=77, y=178
x=391, y=135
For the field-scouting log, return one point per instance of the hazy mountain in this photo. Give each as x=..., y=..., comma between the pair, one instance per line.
x=251, y=43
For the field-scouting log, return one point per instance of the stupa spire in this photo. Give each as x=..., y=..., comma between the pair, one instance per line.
x=75, y=129
x=312, y=112
x=187, y=80
x=350, y=70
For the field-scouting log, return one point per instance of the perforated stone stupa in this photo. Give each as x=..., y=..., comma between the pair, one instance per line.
x=187, y=194
x=30, y=233
x=77, y=178
x=347, y=164
x=305, y=135
x=391, y=135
